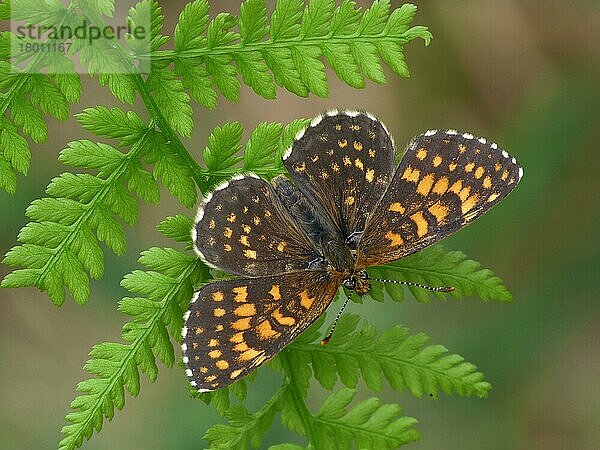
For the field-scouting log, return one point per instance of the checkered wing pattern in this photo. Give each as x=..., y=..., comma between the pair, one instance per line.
x=234, y=326
x=342, y=163
x=445, y=180
x=244, y=229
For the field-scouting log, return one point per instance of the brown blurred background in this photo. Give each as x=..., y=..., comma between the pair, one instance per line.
x=523, y=73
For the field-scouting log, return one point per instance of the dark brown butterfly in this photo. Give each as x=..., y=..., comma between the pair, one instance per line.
x=345, y=206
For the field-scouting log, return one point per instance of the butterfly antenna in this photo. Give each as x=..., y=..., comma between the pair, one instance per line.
x=424, y=286
x=328, y=337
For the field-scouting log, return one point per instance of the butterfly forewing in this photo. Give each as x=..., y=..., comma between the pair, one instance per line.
x=233, y=326
x=244, y=229
x=445, y=180
x=343, y=163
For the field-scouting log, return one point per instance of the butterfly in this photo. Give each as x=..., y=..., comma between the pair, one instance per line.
x=294, y=241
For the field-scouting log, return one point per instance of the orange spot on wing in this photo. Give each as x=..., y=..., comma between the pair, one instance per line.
x=215, y=354
x=275, y=292
x=265, y=331
x=241, y=293
x=411, y=174
x=422, y=225
x=219, y=312
x=397, y=207
x=222, y=364
x=241, y=347
x=213, y=343
x=439, y=211
x=235, y=373
x=441, y=186
x=248, y=355
x=456, y=187
x=487, y=182
x=370, y=175
x=217, y=296
x=425, y=185
x=342, y=143
x=469, y=203
x=227, y=232
x=479, y=172
x=492, y=197
x=349, y=201
x=246, y=309
x=237, y=337
x=357, y=146
x=395, y=239
x=244, y=240
x=281, y=319
x=504, y=175
x=306, y=300
x=451, y=167
x=469, y=167
x=358, y=163
x=464, y=193
x=421, y=154
x=241, y=324
x=250, y=254
x=437, y=160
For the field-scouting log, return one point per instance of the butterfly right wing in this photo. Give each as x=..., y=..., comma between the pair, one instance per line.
x=445, y=180
x=233, y=326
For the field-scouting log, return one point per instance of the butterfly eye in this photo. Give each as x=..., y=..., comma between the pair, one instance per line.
x=363, y=274
x=350, y=283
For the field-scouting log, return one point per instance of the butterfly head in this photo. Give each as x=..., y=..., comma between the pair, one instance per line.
x=359, y=282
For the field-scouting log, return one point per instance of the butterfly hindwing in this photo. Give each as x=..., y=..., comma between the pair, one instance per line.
x=342, y=163
x=234, y=326
x=445, y=180
x=244, y=229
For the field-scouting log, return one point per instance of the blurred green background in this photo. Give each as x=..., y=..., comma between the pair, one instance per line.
x=525, y=74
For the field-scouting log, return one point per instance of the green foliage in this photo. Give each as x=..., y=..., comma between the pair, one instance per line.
x=288, y=49
x=60, y=249
x=435, y=267
x=156, y=319
x=404, y=360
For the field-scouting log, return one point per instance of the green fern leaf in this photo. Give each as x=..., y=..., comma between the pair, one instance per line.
x=253, y=21
x=60, y=246
x=114, y=123
x=289, y=50
x=156, y=320
x=368, y=425
x=262, y=148
x=436, y=267
x=245, y=430
x=404, y=360
x=171, y=99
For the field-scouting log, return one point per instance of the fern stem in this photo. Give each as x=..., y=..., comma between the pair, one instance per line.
x=269, y=44
x=159, y=118
x=301, y=408
x=153, y=108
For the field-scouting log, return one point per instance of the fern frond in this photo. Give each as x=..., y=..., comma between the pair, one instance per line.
x=289, y=49
x=406, y=361
x=436, y=267
x=25, y=98
x=165, y=289
x=60, y=246
x=369, y=424
x=245, y=430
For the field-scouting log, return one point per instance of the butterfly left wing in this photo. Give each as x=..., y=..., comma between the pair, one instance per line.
x=234, y=326
x=445, y=180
